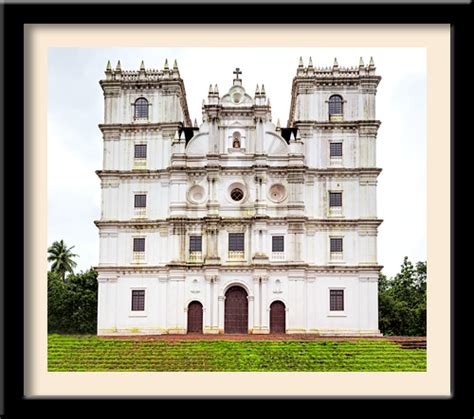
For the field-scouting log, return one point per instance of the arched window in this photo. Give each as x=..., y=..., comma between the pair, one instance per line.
x=141, y=108
x=335, y=105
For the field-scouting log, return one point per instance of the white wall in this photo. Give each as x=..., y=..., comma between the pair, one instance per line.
x=306, y=272
x=306, y=300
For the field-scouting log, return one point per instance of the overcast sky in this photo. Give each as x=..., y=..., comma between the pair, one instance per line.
x=75, y=108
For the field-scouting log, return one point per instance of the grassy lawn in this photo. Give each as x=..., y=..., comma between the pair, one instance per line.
x=89, y=353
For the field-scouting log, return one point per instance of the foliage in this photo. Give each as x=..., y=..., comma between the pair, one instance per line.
x=92, y=353
x=61, y=257
x=72, y=304
x=402, y=301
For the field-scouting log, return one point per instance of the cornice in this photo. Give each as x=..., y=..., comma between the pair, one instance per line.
x=140, y=126
x=368, y=223
x=250, y=170
x=348, y=125
x=305, y=269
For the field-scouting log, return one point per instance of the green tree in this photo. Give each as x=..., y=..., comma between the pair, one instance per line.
x=402, y=301
x=62, y=258
x=72, y=305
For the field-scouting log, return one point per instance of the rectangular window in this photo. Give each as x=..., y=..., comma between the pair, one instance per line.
x=139, y=244
x=336, y=245
x=335, y=199
x=138, y=300
x=140, y=201
x=336, y=300
x=236, y=242
x=335, y=149
x=140, y=151
x=195, y=243
x=278, y=244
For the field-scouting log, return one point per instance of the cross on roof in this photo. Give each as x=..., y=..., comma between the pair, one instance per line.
x=237, y=72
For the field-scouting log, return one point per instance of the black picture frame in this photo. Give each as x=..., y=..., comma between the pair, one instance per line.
x=459, y=16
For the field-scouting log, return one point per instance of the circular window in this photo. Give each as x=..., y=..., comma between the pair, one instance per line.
x=277, y=193
x=237, y=94
x=237, y=194
x=196, y=194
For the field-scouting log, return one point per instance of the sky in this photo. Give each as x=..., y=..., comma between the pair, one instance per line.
x=75, y=108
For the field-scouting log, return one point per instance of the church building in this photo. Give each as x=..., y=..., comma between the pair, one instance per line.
x=239, y=224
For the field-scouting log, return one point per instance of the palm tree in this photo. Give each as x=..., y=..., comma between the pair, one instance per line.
x=61, y=257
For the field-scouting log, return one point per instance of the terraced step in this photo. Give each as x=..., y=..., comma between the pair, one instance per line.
x=411, y=343
x=89, y=353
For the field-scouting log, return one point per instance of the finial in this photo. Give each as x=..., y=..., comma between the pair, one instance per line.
x=335, y=62
x=310, y=64
x=361, y=62
x=118, y=67
x=203, y=103
x=268, y=102
x=257, y=90
x=109, y=67
x=292, y=136
x=278, y=124
x=176, y=136
x=237, y=72
x=300, y=64
x=142, y=66
x=262, y=91
x=216, y=89
x=371, y=63
x=210, y=89
x=175, y=64
x=166, y=64
x=298, y=135
x=195, y=123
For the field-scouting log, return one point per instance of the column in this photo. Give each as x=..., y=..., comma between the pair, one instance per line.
x=311, y=325
x=112, y=301
x=256, y=305
x=265, y=313
x=221, y=302
x=291, y=319
x=176, y=244
x=260, y=204
x=301, y=307
x=215, y=304
x=216, y=242
x=209, y=188
x=163, y=306
x=107, y=296
x=171, y=312
x=180, y=305
x=373, y=301
x=207, y=307
x=213, y=204
x=251, y=311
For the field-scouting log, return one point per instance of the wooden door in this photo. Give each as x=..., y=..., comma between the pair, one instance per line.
x=195, y=317
x=277, y=317
x=236, y=311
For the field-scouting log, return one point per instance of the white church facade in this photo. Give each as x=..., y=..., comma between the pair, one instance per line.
x=239, y=225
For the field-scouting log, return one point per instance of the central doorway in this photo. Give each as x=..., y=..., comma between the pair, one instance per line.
x=236, y=311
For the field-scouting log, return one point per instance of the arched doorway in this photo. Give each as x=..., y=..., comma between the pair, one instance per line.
x=236, y=311
x=277, y=317
x=195, y=317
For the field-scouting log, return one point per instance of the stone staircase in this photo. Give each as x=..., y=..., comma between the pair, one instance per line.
x=410, y=342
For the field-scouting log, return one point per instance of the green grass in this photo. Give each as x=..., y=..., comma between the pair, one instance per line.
x=89, y=353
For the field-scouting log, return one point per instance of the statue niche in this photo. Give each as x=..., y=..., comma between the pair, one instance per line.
x=236, y=140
